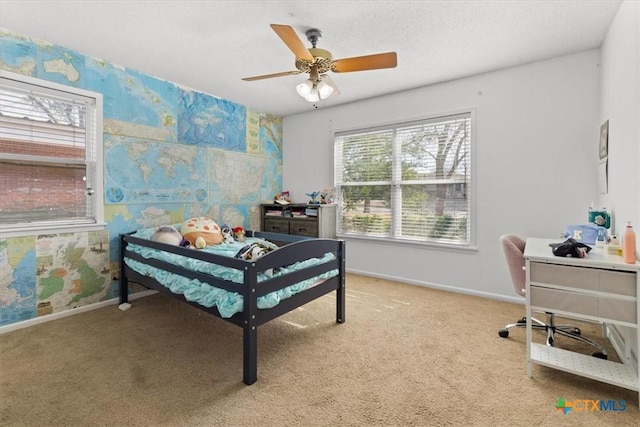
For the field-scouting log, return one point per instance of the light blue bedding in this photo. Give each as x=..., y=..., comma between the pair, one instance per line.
x=227, y=303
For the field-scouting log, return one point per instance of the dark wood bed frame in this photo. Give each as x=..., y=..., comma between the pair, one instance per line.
x=295, y=249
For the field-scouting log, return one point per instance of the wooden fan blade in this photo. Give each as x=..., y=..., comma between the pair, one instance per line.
x=291, y=39
x=268, y=76
x=367, y=62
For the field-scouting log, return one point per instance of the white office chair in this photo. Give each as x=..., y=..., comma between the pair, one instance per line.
x=513, y=248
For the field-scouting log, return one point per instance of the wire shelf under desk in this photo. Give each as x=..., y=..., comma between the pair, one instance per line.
x=587, y=366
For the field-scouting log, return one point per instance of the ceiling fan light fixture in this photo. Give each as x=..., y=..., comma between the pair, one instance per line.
x=325, y=90
x=313, y=96
x=317, y=62
x=305, y=88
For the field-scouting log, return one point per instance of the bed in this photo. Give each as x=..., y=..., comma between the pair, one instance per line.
x=247, y=293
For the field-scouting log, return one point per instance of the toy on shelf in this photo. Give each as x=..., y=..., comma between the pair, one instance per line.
x=326, y=197
x=282, y=198
x=314, y=197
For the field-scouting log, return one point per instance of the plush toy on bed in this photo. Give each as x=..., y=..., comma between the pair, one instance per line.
x=170, y=235
x=227, y=233
x=239, y=234
x=201, y=232
x=255, y=250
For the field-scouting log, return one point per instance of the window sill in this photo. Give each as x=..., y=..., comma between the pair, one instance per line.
x=51, y=229
x=414, y=243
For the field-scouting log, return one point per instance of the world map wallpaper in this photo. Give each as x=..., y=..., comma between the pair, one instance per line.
x=169, y=153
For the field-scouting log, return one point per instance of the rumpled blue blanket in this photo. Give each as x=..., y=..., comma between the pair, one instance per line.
x=227, y=303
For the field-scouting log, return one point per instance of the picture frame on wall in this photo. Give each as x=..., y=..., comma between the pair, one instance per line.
x=604, y=140
x=603, y=154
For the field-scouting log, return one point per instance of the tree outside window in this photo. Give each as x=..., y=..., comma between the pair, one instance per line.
x=409, y=181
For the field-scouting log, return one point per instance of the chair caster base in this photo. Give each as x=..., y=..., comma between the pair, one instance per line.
x=504, y=333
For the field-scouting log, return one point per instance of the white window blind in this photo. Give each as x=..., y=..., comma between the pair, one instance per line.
x=407, y=181
x=48, y=155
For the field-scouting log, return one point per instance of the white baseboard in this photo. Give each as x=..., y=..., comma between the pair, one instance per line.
x=49, y=317
x=71, y=312
x=488, y=295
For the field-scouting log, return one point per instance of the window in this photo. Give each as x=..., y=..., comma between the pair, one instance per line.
x=50, y=156
x=406, y=182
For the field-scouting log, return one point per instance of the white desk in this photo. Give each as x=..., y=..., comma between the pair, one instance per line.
x=599, y=288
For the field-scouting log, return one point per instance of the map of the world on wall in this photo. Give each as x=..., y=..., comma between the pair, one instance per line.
x=124, y=219
x=240, y=178
x=139, y=171
x=271, y=135
x=131, y=96
x=72, y=270
x=49, y=273
x=18, y=299
x=17, y=54
x=211, y=122
x=61, y=65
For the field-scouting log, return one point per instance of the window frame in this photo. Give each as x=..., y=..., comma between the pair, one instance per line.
x=396, y=207
x=68, y=226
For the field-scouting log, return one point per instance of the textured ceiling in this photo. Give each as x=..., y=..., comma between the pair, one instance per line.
x=210, y=45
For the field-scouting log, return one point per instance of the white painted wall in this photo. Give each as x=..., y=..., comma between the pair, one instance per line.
x=536, y=150
x=621, y=106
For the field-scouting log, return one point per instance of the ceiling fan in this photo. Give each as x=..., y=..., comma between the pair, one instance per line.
x=317, y=62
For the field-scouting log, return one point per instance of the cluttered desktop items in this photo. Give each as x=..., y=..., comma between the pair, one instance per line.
x=570, y=247
x=581, y=238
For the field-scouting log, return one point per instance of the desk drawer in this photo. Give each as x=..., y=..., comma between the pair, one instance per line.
x=304, y=228
x=591, y=305
x=618, y=282
x=555, y=299
x=562, y=275
x=273, y=225
x=592, y=279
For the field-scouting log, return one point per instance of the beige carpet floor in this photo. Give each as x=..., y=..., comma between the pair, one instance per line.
x=406, y=356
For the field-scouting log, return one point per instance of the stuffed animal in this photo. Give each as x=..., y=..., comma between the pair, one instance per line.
x=201, y=227
x=168, y=234
x=238, y=234
x=227, y=234
x=256, y=250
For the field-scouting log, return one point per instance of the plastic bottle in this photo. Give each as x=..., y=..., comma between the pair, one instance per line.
x=629, y=245
x=602, y=238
